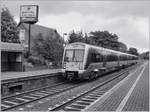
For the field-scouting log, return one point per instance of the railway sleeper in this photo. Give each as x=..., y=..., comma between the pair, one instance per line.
x=90, y=97
x=82, y=102
x=68, y=108
x=78, y=106
x=87, y=100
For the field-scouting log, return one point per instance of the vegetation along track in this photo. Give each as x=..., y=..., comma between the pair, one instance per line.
x=84, y=99
x=14, y=101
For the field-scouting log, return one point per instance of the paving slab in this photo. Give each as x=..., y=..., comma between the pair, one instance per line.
x=139, y=99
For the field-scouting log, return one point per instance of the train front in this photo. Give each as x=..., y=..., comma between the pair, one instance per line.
x=73, y=60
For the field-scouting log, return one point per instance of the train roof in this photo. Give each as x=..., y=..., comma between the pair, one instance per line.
x=98, y=47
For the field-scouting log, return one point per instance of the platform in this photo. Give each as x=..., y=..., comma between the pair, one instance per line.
x=131, y=94
x=12, y=82
x=16, y=75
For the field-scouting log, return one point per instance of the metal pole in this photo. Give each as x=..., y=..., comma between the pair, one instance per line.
x=29, y=39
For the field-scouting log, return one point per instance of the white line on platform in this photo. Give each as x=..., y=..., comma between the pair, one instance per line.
x=122, y=104
x=109, y=92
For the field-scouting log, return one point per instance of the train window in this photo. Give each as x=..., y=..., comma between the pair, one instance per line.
x=76, y=55
x=122, y=57
x=96, y=57
x=112, y=57
x=93, y=57
x=68, y=55
x=99, y=58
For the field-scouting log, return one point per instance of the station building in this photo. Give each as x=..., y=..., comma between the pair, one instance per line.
x=11, y=57
x=12, y=53
x=36, y=31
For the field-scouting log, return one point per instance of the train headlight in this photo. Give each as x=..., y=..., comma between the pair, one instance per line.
x=64, y=66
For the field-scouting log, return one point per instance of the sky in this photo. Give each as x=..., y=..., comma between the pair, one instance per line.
x=128, y=19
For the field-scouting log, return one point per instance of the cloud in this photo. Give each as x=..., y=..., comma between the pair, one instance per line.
x=105, y=8
x=128, y=19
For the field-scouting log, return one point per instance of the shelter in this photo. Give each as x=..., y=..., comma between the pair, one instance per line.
x=11, y=57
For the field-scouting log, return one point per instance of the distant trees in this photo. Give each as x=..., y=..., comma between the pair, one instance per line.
x=99, y=38
x=75, y=37
x=145, y=55
x=107, y=40
x=133, y=51
x=9, y=31
x=49, y=48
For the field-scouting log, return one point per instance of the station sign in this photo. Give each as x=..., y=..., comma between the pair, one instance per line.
x=29, y=13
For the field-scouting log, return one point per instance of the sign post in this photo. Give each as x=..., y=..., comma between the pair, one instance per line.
x=29, y=14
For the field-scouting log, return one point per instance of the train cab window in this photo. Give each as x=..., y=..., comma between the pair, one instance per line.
x=74, y=55
x=78, y=55
x=68, y=55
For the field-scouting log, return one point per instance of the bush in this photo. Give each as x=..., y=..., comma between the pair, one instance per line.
x=26, y=64
x=26, y=54
x=35, y=60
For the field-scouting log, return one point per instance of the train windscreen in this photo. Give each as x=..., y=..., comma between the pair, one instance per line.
x=74, y=55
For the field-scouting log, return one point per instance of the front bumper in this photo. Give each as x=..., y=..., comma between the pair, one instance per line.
x=80, y=73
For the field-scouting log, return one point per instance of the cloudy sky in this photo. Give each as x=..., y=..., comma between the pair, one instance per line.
x=129, y=20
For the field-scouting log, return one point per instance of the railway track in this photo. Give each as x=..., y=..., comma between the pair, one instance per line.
x=82, y=100
x=15, y=101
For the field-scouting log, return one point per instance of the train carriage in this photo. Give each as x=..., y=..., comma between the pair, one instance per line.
x=85, y=61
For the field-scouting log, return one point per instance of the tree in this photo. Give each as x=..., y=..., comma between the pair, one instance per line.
x=107, y=40
x=75, y=37
x=99, y=38
x=122, y=47
x=9, y=31
x=144, y=55
x=133, y=51
x=49, y=48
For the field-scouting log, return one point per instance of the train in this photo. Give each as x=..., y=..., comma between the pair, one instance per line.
x=84, y=61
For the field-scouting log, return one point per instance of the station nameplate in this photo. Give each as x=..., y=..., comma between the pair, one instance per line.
x=29, y=13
